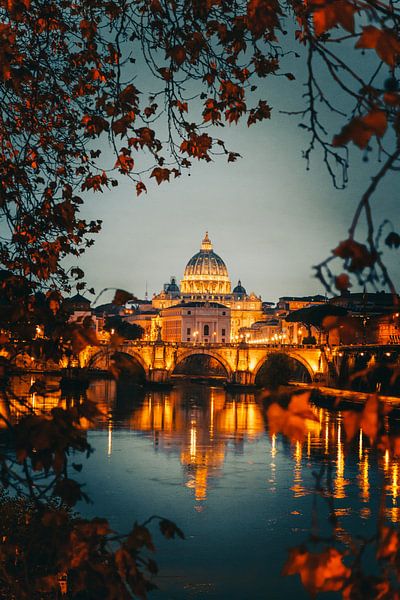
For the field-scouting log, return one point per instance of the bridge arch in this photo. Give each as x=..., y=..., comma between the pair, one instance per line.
x=181, y=358
x=127, y=363
x=294, y=356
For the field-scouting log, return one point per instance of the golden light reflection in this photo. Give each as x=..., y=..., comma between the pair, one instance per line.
x=297, y=488
x=273, y=445
x=202, y=433
x=109, y=446
x=273, y=463
x=364, y=477
x=394, y=488
x=386, y=461
x=340, y=481
x=202, y=429
x=326, y=448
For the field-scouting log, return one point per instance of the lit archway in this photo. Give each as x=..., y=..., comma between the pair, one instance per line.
x=282, y=368
x=201, y=365
x=121, y=364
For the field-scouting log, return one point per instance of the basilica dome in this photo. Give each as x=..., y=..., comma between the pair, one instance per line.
x=206, y=272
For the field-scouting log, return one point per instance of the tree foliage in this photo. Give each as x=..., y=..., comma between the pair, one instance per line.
x=50, y=551
x=70, y=82
x=333, y=558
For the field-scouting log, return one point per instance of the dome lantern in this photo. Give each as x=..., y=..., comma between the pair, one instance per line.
x=206, y=244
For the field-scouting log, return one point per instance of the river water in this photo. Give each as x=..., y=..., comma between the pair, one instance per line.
x=204, y=459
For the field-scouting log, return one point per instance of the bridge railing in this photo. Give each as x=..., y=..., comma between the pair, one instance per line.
x=216, y=345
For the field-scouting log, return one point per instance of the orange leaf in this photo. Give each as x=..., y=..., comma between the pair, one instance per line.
x=140, y=187
x=160, y=174
x=319, y=572
x=361, y=129
x=124, y=163
x=339, y=12
x=385, y=43
x=342, y=282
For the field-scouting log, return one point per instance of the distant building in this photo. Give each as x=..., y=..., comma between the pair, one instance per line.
x=207, y=287
x=290, y=303
x=374, y=318
x=207, y=322
x=77, y=303
x=79, y=309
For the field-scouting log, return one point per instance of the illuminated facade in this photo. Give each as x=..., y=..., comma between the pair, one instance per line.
x=206, y=286
x=208, y=322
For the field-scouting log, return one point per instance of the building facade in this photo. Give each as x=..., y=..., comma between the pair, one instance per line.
x=204, y=307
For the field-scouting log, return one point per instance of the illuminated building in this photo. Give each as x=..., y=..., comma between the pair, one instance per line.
x=196, y=321
x=219, y=311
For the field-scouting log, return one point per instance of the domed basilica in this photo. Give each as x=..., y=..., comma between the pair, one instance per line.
x=203, y=308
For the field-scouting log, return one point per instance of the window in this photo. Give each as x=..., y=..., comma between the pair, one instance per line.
x=223, y=312
x=206, y=330
x=223, y=340
x=188, y=340
x=188, y=330
x=189, y=312
x=223, y=332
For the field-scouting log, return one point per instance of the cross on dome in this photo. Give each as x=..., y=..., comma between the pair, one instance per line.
x=206, y=243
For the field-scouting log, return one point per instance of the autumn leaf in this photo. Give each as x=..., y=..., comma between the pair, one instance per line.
x=342, y=282
x=292, y=422
x=367, y=420
x=263, y=16
x=77, y=273
x=124, y=163
x=160, y=174
x=393, y=240
x=88, y=28
x=140, y=187
x=357, y=254
x=181, y=106
x=212, y=111
x=327, y=15
x=389, y=543
x=197, y=146
x=69, y=491
x=178, y=54
x=121, y=297
x=261, y=112
x=385, y=42
x=170, y=530
x=319, y=572
x=361, y=129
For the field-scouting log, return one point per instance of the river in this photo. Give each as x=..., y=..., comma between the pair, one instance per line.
x=204, y=458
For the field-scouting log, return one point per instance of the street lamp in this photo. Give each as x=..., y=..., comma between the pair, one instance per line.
x=195, y=334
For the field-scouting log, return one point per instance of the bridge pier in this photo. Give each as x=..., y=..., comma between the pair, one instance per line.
x=243, y=378
x=158, y=376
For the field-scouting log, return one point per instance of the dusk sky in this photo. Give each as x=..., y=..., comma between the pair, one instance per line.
x=268, y=217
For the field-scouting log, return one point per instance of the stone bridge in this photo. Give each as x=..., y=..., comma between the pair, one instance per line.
x=241, y=362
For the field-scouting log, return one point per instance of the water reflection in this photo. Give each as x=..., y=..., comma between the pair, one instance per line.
x=201, y=425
